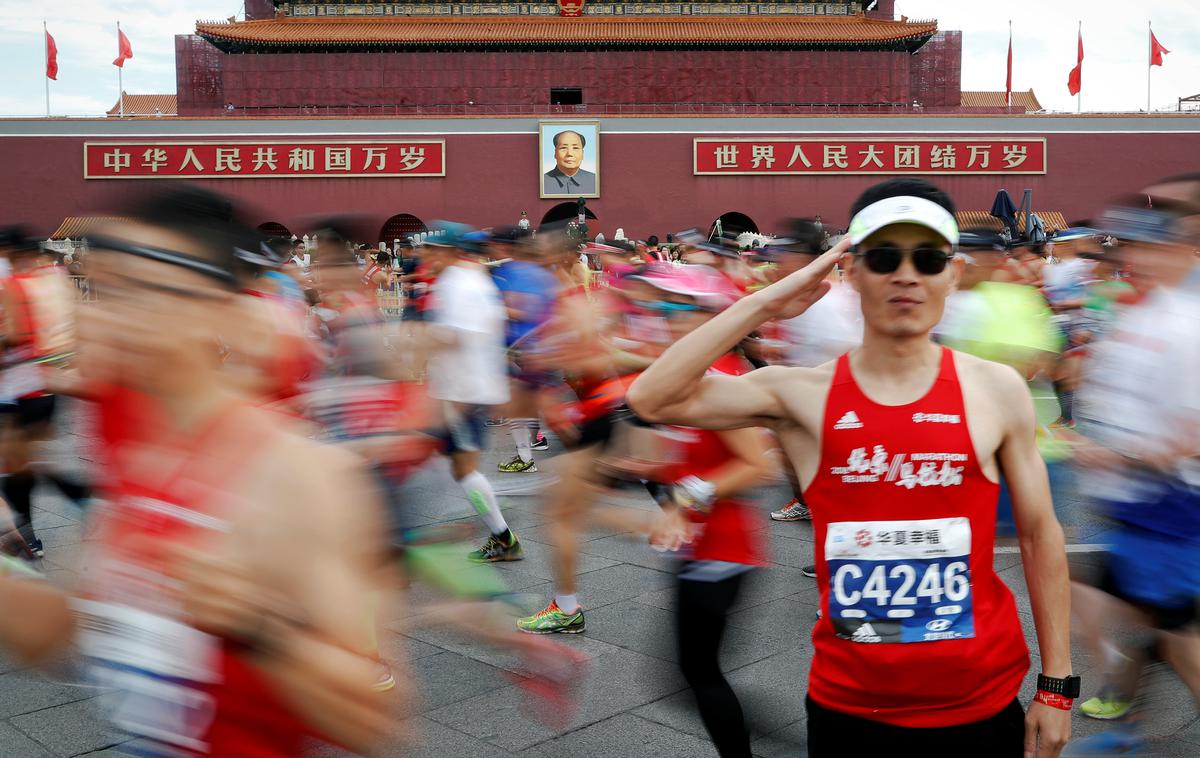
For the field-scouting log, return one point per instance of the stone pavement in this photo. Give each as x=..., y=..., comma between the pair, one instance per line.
x=635, y=704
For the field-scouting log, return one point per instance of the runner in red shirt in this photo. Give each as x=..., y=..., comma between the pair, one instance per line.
x=705, y=506
x=37, y=334
x=899, y=446
x=225, y=598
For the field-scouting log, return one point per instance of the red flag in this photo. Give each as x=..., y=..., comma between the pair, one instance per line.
x=1156, y=51
x=1075, y=80
x=1008, y=81
x=51, y=58
x=124, y=49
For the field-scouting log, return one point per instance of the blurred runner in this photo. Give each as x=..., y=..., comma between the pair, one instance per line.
x=225, y=598
x=1140, y=426
x=919, y=649
x=378, y=272
x=703, y=507
x=1065, y=283
x=528, y=290
x=37, y=304
x=1025, y=265
x=599, y=342
x=272, y=353
x=467, y=371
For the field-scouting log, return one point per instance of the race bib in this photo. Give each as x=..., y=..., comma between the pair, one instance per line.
x=900, y=581
x=22, y=379
x=159, y=667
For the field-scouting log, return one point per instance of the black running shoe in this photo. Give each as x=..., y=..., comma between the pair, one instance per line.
x=495, y=550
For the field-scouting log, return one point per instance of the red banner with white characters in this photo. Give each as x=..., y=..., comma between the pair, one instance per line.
x=863, y=155
x=289, y=159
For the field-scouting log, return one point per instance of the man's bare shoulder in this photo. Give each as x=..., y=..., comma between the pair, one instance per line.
x=995, y=377
x=800, y=391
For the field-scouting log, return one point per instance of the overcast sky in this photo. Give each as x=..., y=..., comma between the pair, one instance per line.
x=1114, y=76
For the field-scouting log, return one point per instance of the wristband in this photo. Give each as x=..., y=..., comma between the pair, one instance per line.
x=1061, y=702
x=694, y=493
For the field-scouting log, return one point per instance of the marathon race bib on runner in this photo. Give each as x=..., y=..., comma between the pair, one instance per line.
x=159, y=667
x=900, y=581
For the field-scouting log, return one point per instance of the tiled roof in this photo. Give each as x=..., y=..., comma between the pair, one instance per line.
x=145, y=105
x=1052, y=220
x=978, y=99
x=588, y=31
x=74, y=227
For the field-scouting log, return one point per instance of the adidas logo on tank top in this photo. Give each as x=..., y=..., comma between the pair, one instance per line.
x=848, y=421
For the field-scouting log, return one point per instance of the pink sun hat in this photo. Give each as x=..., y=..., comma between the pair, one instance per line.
x=710, y=289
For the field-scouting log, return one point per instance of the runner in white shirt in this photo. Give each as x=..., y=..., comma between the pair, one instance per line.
x=467, y=371
x=1140, y=446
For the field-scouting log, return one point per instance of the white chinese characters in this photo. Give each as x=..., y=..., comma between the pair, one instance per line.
x=906, y=470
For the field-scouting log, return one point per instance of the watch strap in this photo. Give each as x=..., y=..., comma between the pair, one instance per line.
x=1066, y=686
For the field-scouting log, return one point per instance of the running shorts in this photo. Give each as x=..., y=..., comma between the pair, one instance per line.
x=1156, y=574
x=465, y=429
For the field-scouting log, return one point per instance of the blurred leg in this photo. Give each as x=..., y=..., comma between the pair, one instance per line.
x=701, y=613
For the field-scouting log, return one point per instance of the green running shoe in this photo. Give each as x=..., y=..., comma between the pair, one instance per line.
x=495, y=550
x=517, y=466
x=1105, y=709
x=551, y=619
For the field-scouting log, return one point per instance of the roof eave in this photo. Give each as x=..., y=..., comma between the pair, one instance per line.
x=908, y=45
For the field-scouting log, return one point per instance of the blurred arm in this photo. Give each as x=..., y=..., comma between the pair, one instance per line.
x=750, y=465
x=310, y=628
x=36, y=622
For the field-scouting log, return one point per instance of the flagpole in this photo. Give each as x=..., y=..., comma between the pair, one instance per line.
x=1008, y=93
x=1149, y=61
x=120, y=69
x=1079, y=94
x=46, y=68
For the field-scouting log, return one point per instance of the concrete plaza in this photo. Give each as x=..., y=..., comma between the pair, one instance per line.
x=635, y=701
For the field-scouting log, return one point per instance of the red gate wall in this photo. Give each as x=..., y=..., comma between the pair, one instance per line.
x=646, y=181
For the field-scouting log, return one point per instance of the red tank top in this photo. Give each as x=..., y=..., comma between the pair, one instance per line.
x=176, y=685
x=730, y=529
x=916, y=628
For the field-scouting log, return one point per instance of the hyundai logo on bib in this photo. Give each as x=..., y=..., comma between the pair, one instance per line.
x=939, y=625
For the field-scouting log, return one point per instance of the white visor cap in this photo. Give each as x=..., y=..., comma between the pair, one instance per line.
x=903, y=210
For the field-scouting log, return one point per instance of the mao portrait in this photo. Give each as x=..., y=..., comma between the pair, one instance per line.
x=570, y=159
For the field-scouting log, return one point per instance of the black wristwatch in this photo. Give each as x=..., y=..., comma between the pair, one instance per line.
x=1067, y=686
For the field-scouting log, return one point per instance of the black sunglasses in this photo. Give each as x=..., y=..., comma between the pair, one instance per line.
x=885, y=259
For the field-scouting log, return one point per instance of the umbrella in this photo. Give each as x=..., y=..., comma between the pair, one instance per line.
x=1035, y=230
x=1003, y=209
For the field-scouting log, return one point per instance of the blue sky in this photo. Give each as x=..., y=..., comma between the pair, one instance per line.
x=1044, y=46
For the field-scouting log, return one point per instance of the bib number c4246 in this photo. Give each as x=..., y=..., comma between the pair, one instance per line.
x=900, y=581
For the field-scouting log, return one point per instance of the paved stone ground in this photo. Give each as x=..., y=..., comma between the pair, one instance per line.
x=636, y=703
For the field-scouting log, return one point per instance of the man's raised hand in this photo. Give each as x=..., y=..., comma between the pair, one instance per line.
x=795, y=293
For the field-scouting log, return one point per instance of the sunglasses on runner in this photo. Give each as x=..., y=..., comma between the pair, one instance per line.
x=667, y=309
x=885, y=259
